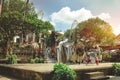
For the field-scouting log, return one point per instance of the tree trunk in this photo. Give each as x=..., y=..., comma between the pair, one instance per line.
x=8, y=47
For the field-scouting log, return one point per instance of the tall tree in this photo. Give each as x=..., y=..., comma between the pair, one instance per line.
x=18, y=16
x=95, y=31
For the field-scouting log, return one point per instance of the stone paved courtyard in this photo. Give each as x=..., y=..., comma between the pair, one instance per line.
x=47, y=68
x=6, y=78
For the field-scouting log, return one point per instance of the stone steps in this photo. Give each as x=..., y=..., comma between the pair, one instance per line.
x=20, y=73
x=95, y=76
x=100, y=78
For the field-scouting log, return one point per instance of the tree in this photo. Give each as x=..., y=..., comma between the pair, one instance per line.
x=67, y=33
x=47, y=26
x=95, y=31
x=70, y=34
x=17, y=17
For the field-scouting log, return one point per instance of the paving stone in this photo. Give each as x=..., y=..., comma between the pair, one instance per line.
x=6, y=78
x=114, y=78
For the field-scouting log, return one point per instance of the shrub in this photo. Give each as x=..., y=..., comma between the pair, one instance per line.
x=63, y=72
x=116, y=69
x=37, y=60
x=41, y=60
x=32, y=61
x=12, y=59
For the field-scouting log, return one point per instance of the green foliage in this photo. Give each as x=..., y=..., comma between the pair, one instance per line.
x=93, y=31
x=12, y=59
x=116, y=69
x=32, y=61
x=63, y=72
x=41, y=60
x=19, y=17
x=37, y=60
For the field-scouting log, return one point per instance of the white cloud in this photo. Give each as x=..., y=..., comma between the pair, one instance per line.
x=104, y=16
x=67, y=16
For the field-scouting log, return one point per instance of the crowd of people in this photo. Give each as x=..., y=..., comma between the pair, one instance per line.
x=64, y=51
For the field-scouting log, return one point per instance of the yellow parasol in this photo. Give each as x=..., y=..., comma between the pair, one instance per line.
x=60, y=33
x=48, y=32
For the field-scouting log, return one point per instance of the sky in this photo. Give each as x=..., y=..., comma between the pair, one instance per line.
x=64, y=14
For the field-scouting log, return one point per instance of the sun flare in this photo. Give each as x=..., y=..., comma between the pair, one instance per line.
x=116, y=30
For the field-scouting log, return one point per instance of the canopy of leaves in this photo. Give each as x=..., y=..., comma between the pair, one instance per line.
x=18, y=16
x=96, y=30
x=93, y=31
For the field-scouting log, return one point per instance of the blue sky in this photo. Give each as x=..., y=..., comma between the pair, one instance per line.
x=62, y=13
